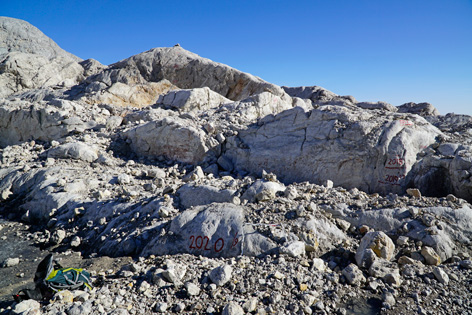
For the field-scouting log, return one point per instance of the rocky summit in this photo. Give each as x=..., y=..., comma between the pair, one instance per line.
x=186, y=186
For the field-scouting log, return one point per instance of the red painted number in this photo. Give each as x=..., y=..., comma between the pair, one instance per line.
x=192, y=239
x=197, y=244
x=206, y=244
x=220, y=240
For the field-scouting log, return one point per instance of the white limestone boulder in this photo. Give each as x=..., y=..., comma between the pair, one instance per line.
x=379, y=243
x=172, y=137
x=74, y=150
x=367, y=149
x=192, y=99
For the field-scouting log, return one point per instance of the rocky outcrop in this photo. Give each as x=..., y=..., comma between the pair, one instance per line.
x=422, y=109
x=373, y=151
x=20, y=36
x=120, y=94
x=29, y=59
x=173, y=137
x=319, y=95
x=20, y=71
x=186, y=70
x=35, y=122
x=192, y=99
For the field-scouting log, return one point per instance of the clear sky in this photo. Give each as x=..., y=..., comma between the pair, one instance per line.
x=376, y=50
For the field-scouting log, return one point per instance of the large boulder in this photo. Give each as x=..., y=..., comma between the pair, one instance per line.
x=74, y=150
x=379, y=243
x=23, y=122
x=192, y=99
x=422, y=109
x=352, y=147
x=172, y=137
x=215, y=230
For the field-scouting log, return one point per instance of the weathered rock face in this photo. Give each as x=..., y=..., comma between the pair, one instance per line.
x=29, y=59
x=32, y=122
x=20, y=71
x=216, y=230
x=422, y=109
x=319, y=95
x=173, y=137
x=193, y=99
x=120, y=94
x=373, y=151
x=20, y=36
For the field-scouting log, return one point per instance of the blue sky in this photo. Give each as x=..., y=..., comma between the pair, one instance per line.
x=393, y=51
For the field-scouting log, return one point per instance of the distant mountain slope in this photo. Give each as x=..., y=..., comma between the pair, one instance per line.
x=20, y=36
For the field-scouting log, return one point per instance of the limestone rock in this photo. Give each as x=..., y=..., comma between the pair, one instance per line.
x=386, y=271
x=186, y=70
x=441, y=275
x=74, y=150
x=121, y=94
x=319, y=264
x=448, y=149
x=330, y=142
x=10, y=262
x=319, y=95
x=20, y=71
x=422, y=109
x=259, y=106
x=378, y=242
x=174, y=272
x=414, y=192
x=214, y=230
x=262, y=190
x=23, y=122
x=27, y=307
x=174, y=138
x=430, y=255
x=232, y=308
x=377, y=105
x=293, y=249
x=221, y=275
x=21, y=36
x=192, y=289
x=197, y=195
x=192, y=99
x=353, y=275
